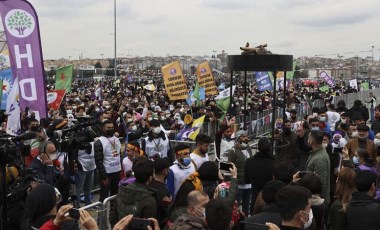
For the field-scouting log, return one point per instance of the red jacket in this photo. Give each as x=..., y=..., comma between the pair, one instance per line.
x=49, y=225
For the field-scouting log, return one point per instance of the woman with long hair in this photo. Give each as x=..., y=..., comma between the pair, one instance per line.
x=345, y=186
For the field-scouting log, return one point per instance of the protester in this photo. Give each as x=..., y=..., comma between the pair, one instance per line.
x=200, y=153
x=163, y=197
x=259, y=169
x=238, y=155
x=138, y=198
x=180, y=170
x=107, y=158
x=195, y=215
x=362, y=211
x=319, y=162
x=361, y=141
x=269, y=212
x=295, y=207
x=345, y=186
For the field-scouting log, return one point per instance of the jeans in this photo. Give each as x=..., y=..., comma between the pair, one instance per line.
x=84, y=184
x=244, y=197
x=112, y=188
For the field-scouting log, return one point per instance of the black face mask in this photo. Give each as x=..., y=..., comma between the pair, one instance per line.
x=109, y=133
x=287, y=131
x=34, y=128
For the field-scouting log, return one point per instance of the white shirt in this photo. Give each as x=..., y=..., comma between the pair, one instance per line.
x=198, y=160
x=127, y=164
x=111, y=152
x=332, y=118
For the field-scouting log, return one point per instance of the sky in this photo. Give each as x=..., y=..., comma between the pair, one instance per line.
x=70, y=28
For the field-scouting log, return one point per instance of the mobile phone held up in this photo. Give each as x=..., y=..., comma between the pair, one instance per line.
x=74, y=213
x=140, y=224
x=225, y=166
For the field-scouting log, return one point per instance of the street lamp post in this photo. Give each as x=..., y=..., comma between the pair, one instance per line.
x=114, y=67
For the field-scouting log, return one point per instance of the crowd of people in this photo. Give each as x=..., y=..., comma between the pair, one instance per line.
x=316, y=172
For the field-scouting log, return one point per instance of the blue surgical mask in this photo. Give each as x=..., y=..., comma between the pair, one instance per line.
x=186, y=161
x=315, y=128
x=355, y=159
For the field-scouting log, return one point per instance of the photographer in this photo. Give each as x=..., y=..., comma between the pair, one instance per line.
x=41, y=212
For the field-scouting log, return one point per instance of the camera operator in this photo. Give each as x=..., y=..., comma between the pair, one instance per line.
x=107, y=159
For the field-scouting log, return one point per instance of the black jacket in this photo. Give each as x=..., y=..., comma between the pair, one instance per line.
x=363, y=212
x=258, y=170
x=270, y=213
x=359, y=111
x=45, y=173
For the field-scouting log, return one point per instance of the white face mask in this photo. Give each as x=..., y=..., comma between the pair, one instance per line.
x=69, y=111
x=308, y=223
x=324, y=145
x=150, y=118
x=134, y=128
x=53, y=156
x=377, y=142
x=129, y=120
x=355, y=134
x=157, y=130
x=344, y=121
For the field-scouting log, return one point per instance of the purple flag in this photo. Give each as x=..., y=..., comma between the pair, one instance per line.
x=326, y=78
x=21, y=28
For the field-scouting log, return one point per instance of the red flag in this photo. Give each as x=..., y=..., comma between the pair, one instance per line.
x=54, y=98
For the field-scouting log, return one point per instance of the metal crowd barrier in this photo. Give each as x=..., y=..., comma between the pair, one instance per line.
x=350, y=98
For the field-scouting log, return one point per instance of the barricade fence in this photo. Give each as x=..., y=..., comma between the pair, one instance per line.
x=350, y=98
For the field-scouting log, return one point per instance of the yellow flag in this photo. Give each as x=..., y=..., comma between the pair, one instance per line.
x=175, y=82
x=197, y=124
x=205, y=78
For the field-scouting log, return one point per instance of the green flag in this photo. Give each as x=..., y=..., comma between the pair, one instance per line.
x=196, y=92
x=325, y=88
x=365, y=86
x=64, y=78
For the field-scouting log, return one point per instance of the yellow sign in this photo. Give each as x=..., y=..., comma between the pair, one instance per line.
x=175, y=82
x=205, y=78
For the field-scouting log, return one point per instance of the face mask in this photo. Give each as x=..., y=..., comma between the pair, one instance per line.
x=377, y=142
x=69, y=111
x=355, y=159
x=186, y=161
x=97, y=110
x=134, y=128
x=308, y=223
x=109, y=133
x=203, y=213
x=343, y=121
x=74, y=107
x=107, y=106
x=53, y=156
x=315, y=128
x=355, y=134
x=34, y=128
x=162, y=118
x=129, y=120
x=157, y=130
x=322, y=119
x=150, y=118
x=287, y=131
x=324, y=145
